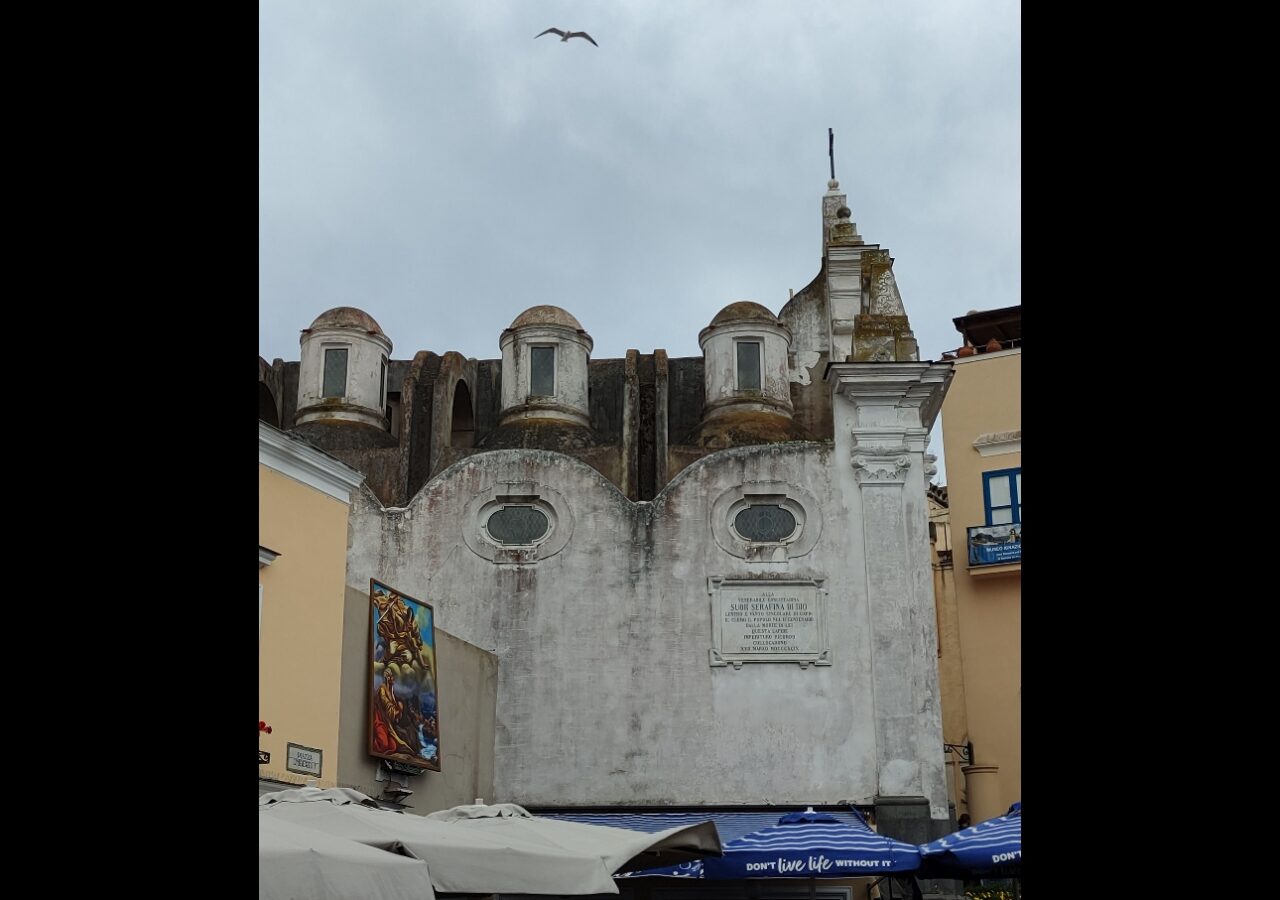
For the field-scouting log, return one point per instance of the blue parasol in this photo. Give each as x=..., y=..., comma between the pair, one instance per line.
x=992, y=847
x=813, y=845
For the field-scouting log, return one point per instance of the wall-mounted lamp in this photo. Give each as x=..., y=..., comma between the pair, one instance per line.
x=964, y=751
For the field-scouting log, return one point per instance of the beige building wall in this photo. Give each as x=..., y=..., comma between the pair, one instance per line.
x=314, y=643
x=955, y=728
x=300, y=641
x=984, y=407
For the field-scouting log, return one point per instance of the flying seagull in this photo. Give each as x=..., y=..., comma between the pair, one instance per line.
x=565, y=35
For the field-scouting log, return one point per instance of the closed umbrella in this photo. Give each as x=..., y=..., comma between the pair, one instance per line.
x=297, y=863
x=991, y=847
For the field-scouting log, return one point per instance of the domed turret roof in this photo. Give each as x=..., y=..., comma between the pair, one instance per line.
x=744, y=309
x=546, y=315
x=347, y=317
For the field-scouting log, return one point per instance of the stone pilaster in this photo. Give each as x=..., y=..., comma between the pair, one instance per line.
x=883, y=413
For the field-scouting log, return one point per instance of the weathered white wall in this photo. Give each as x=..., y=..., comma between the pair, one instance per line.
x=364, y=376
x=721, y=354
x=573, y=353
x=805, y=316
x=883, y=413
x=605, y=691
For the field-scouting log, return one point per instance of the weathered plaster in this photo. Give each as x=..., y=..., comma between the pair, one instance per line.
x=605, y=691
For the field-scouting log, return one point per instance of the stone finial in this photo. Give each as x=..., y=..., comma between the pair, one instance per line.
x=844, y=231
x=833, y=186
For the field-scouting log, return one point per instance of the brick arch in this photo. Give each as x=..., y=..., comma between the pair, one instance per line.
x=268, y=404
x=462, y=417
x=455, y=369
x=267, y=410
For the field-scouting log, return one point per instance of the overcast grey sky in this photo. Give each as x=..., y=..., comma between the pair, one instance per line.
x=431, y=163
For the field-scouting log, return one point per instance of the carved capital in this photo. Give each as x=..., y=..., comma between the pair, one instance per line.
x=881, y=464
x=884, y=391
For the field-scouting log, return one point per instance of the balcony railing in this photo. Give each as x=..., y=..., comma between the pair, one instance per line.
x=995, y=545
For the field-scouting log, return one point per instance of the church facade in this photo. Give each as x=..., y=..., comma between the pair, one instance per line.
x=706, y=581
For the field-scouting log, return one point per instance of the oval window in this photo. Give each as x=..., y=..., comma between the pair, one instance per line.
x=766, y=524
x=517, y=525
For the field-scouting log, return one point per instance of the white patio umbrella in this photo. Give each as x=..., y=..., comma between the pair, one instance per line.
x=467, y=860
x=296, y=863
x=621, y=849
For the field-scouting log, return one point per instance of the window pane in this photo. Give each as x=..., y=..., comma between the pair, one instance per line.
x=335, y=373
x=1018, y=481
x=767, y=523
x=382, y=390
x=999, y=488
x=517, y=525
x=748, y=366
x=542, y=375
x=1002, y=516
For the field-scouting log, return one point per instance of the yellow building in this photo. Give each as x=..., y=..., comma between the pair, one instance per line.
x=955, y=731
x=314, y=646
x=982, y=438
x=304, y=498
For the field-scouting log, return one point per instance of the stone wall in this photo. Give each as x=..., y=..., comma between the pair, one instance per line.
x=606, y=691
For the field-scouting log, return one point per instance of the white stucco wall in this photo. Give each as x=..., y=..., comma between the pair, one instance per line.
x=364, y=376
x=805, y=316
x=882, y=415
x=606, y=694
x=573, y=353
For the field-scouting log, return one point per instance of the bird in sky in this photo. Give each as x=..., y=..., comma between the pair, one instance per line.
x=565, y=35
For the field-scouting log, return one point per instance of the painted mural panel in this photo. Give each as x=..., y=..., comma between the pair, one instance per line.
x=403, y=717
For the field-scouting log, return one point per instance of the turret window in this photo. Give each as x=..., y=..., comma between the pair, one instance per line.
x=542, y=371
x=749, y=365
x=335, y=372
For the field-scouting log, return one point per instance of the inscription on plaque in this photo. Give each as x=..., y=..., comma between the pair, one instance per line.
x=768, y=620
x=303, y=760
x=771, y=621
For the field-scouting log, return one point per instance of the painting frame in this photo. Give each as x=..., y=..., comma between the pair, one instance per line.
x=404, y=690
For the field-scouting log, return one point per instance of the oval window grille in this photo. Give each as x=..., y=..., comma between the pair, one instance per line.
x=766, y=524
x=518, y=525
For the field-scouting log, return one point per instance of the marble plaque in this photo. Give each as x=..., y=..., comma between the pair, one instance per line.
x=768, y=620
